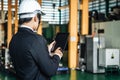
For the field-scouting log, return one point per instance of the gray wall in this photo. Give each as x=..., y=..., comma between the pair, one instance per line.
x=111, y=33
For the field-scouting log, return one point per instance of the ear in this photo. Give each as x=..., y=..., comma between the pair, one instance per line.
x=35, y=18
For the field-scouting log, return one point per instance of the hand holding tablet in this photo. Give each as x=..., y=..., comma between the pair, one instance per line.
x=61, y=40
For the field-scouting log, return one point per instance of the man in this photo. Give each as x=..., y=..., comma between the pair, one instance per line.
x=28, y=50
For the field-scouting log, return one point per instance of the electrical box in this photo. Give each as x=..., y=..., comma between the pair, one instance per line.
x=108, y=57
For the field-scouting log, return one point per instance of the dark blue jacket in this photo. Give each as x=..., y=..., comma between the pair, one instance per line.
x=30, y=56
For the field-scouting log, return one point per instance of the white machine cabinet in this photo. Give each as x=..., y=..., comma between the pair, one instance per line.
x=108, y=57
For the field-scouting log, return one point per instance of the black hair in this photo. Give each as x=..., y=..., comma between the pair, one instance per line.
x=23, y=20
x=39, y=17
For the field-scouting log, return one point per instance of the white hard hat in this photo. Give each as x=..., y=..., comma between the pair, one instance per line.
x=29, y=8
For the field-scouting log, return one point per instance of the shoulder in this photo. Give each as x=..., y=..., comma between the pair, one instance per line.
x=36, y=38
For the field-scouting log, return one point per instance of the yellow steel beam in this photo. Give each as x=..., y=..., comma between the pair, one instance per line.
x=13, y=6
x=84, y=8
x=57, y=29
x=16, y=16
x=40, y=26
x=73, y=30
x=63, y=7
x=40, y=1
x=2, y=5
x=9, y=28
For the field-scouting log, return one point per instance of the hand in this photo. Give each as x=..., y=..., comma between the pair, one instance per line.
x=51, y=46
x=58, y=52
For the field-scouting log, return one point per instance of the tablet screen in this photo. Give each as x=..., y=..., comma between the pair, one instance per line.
x=61, y=40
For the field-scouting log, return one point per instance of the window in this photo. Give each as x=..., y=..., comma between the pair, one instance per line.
x=113, y=3
x=100, y=5
x=50, y=7
x=53, y=15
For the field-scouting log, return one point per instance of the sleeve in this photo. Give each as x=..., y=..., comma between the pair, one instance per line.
x=47, y=65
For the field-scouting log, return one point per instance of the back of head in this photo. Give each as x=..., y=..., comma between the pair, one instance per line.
x=28, y=9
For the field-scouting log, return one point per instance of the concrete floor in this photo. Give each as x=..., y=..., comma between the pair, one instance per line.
x=73, y=75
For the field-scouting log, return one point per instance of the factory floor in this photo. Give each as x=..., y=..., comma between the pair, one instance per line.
x=73, y=75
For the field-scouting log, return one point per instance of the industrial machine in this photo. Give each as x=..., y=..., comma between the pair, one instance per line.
x=92, y=55
x=102, y=48
x=109, y=57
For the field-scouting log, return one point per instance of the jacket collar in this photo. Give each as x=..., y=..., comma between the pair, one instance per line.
x=24, y=26
x=24, y=29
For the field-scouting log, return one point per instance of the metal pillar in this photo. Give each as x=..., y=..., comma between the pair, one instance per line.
x=59, y=13
x=40, y=26
x=73, y=30
x=85, y=23
x=107, y=7
x=2, y=5
x=16, y=16
x=9, y=28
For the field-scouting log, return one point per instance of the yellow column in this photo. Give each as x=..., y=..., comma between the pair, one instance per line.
x=84, y=8
x=9, y=28
x=2, y=5
x=73, y=30
x=57, y=29
x=40, y=27
x=16, y=17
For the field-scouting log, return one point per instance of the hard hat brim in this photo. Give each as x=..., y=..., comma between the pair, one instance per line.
x=27, y=15
x=42, y=13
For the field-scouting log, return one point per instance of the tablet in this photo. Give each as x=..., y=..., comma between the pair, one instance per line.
x=61, y=41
